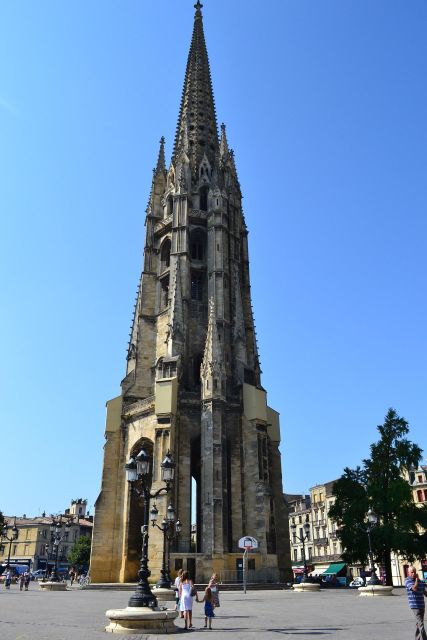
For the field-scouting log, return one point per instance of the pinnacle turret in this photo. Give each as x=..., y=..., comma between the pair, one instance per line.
x=223, y=145
x=161, y=162
x=197, y=119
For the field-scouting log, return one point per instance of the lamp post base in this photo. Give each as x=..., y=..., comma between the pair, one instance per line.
x=133, y=620
x=164, y=595
x=307, y=586
x=375, y=590
x=53, y=586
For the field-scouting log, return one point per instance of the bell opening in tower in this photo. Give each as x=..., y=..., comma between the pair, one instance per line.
x=196, y=542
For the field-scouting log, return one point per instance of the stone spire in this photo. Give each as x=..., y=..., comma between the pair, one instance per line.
x=161, y=163
x=212, y=371
x=197, y=118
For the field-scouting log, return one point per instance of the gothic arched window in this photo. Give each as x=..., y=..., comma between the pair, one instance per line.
x=164, y=293
x=169, y=207
x=165, y=255
x=204, y=198
x=197, y=245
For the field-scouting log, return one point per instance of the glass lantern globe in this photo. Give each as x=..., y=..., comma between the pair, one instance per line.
x=143, y=463
x=168, y=468
x=170, y=513
x=130, y=468
x=154, y=512
x=372, y=517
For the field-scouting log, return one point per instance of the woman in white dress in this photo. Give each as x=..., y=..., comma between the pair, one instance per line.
x=186, y=599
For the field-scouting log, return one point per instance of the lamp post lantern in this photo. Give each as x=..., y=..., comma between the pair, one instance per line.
x=305, y=537
x=372, y=521
x=169, y=528
x=58, y=532
x=138, y=475
x=14, y=533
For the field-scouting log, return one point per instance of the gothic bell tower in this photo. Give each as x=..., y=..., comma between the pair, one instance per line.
x=193, y=379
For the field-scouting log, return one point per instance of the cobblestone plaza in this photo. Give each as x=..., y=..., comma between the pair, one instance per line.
x=80, y=614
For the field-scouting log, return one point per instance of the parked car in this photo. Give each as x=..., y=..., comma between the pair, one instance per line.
x=356, y=583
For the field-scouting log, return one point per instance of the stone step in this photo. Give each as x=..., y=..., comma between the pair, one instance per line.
x=131, y=586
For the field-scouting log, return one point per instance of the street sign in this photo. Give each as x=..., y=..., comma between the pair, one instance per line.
x=248, y=543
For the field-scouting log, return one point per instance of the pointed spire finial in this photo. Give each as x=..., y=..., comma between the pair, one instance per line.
x=197, y=117
x=161, y=163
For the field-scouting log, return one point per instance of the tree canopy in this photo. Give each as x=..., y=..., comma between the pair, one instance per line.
x=80, y=553
x=382, y=485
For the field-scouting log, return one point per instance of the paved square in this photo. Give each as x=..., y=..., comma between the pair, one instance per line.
x=342, y=615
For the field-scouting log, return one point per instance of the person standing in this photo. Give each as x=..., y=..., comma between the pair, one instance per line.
x=214, y=587
x=209, y=607
x=21, y=582
x=8, y=579
x=27, y=577
x=416, y=590
x=186, y=599
x=176, y=587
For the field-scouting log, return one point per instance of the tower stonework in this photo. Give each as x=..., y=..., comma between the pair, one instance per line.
x=192, y=383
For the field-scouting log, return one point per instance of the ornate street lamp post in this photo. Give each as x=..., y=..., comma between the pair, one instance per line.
x=302, y=539
x=372, y=521
x=138, y=476
x=13, y=536
x=58, y=532
x=168, y=527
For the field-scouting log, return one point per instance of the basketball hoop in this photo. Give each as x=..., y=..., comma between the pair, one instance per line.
x=248, y=543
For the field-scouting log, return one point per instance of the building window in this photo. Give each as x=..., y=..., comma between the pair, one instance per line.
x=196, y=288
x=204, y=198
x=169, y=207
x=310, y=553
x=197, y=245
x=164, y=293
x=165, y=254
x=295, y=555
x=251, y=564
x=26, y=548
x=178, y=564
x=420, y=495
x=420, y=479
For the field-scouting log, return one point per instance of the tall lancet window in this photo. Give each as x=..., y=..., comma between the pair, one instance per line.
x=204, y=198
x=197, y=245
x=165, y=255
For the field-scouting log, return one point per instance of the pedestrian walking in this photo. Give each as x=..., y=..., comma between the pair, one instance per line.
x=8, y=579
x=416, y=590
x=72, y=575
x=27, y=577
x=214, y=587
x=208, y=601
x=176, y=587
x=21, y=582
x=186, y=595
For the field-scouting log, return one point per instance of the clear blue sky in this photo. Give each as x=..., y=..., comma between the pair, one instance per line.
x=325, y=106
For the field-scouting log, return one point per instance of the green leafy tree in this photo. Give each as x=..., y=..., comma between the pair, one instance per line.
x=80, y=553
x=380, y=484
